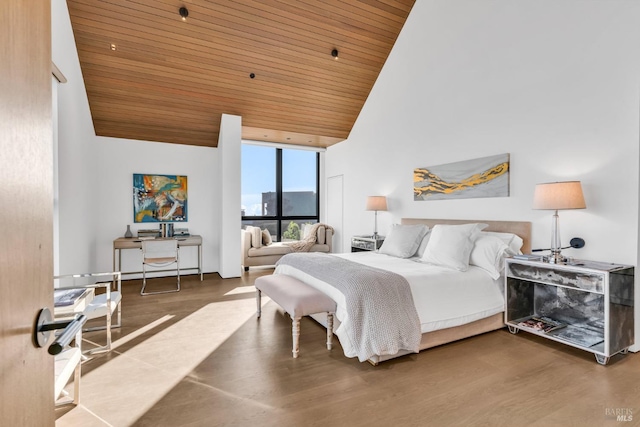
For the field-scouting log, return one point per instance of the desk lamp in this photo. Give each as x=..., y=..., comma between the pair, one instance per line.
x=556, y=196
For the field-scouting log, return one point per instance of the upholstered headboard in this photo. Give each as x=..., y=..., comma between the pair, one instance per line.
x=521, y=228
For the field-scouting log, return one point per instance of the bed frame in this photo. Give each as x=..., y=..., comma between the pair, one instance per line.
x=488, y=324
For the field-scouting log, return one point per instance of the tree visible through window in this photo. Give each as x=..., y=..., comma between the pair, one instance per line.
x=279, y=190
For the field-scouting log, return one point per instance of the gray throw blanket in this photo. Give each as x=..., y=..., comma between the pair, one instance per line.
x=381, y=316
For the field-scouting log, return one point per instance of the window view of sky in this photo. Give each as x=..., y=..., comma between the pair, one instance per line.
x=259, y=174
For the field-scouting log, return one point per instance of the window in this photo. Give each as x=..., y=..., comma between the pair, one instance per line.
x=279, y=190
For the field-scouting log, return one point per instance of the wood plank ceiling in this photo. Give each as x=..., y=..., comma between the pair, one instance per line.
x=152, y=76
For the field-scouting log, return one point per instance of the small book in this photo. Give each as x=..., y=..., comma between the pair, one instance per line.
x=542, y=324
x=67, y=297
x=528, y=257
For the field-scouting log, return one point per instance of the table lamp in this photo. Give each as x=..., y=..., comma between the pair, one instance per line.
x=376, y=203
x=556, y=196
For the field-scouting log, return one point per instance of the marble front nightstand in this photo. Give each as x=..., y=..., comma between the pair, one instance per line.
x=594, y=300
x=366, y=243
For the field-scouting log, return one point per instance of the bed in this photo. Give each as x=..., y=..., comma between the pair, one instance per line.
x=450, y=305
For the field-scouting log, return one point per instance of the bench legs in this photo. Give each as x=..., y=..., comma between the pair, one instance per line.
x=258, y=300
x=295, y=333
x=295, y=327
x=329, y=330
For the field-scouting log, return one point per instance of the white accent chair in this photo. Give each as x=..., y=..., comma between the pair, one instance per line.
x=159, y=253
x=93, y=306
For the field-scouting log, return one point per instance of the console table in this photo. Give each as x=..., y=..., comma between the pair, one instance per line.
x=122, y=243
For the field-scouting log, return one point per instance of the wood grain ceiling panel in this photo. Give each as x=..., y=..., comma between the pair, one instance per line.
x=170, y=81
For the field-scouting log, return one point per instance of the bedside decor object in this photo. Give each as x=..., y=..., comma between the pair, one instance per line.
x=128, y=234
x=483, y=177
x=159, y=198
x=556, y=196
x=376, y=203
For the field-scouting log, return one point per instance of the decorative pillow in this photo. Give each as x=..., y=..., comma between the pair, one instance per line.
x=256, y=236
x=423, y=244
x=305, y=230
x=403, y=240
x=488, y=253
x=513, y=241
x=266, y=237
x=321, y=235
x=451, y=245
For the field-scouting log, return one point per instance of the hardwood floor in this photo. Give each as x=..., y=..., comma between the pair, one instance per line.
x=201, y=358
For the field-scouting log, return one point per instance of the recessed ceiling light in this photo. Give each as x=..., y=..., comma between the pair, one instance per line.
x=183, y=13
x=113, y=46
x=252, y=75
x=334, y=53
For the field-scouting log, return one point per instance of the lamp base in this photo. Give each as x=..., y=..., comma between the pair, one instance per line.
x=556, y=258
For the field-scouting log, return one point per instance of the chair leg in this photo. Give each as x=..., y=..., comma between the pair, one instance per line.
x=258, y=301
x=295, y=332
x=107, y=347
x=329, y=330
x=144, y=278
x=144, y=283
x=76, y=383
x=178, y=268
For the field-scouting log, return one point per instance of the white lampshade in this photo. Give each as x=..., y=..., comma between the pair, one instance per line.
x=559, y=195
x=376, y=203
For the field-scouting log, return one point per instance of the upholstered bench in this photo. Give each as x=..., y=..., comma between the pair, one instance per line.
x=298, y=299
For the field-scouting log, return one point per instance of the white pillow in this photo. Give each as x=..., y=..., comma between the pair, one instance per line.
x=423, y=244
x=256, y=236
x=321, y=235
x=489, y=253
x=304, y=231
x=266, y=237
x=402, y=241
x=451, y=245
x=513, y=241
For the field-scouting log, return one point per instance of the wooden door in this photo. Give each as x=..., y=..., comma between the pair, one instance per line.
x=26, y=261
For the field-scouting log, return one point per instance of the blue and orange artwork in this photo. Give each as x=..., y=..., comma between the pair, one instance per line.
x=159, y=198
x=484, y=177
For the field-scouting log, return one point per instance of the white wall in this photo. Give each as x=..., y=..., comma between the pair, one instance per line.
x=76, y=162
x=556, y=84
x=557, y=87
x=113, y=198
x=96, y=176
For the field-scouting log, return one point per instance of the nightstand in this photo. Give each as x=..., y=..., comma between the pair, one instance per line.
x=366, y=243
x=592, y=302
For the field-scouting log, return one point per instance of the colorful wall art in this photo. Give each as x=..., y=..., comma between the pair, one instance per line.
x=159, y=198
x=483, y=177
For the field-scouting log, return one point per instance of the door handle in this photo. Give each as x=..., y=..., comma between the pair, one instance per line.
x=44, y=326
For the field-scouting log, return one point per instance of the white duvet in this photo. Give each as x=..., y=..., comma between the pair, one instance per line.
x=444, y=298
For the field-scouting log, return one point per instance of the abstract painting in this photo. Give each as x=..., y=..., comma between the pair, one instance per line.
x=483, y=177
x=159, y=198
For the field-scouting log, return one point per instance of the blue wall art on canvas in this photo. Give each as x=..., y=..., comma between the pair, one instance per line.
x=483, y=177
x=159, y=198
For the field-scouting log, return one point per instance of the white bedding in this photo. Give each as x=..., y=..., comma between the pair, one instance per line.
x=444, y=298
